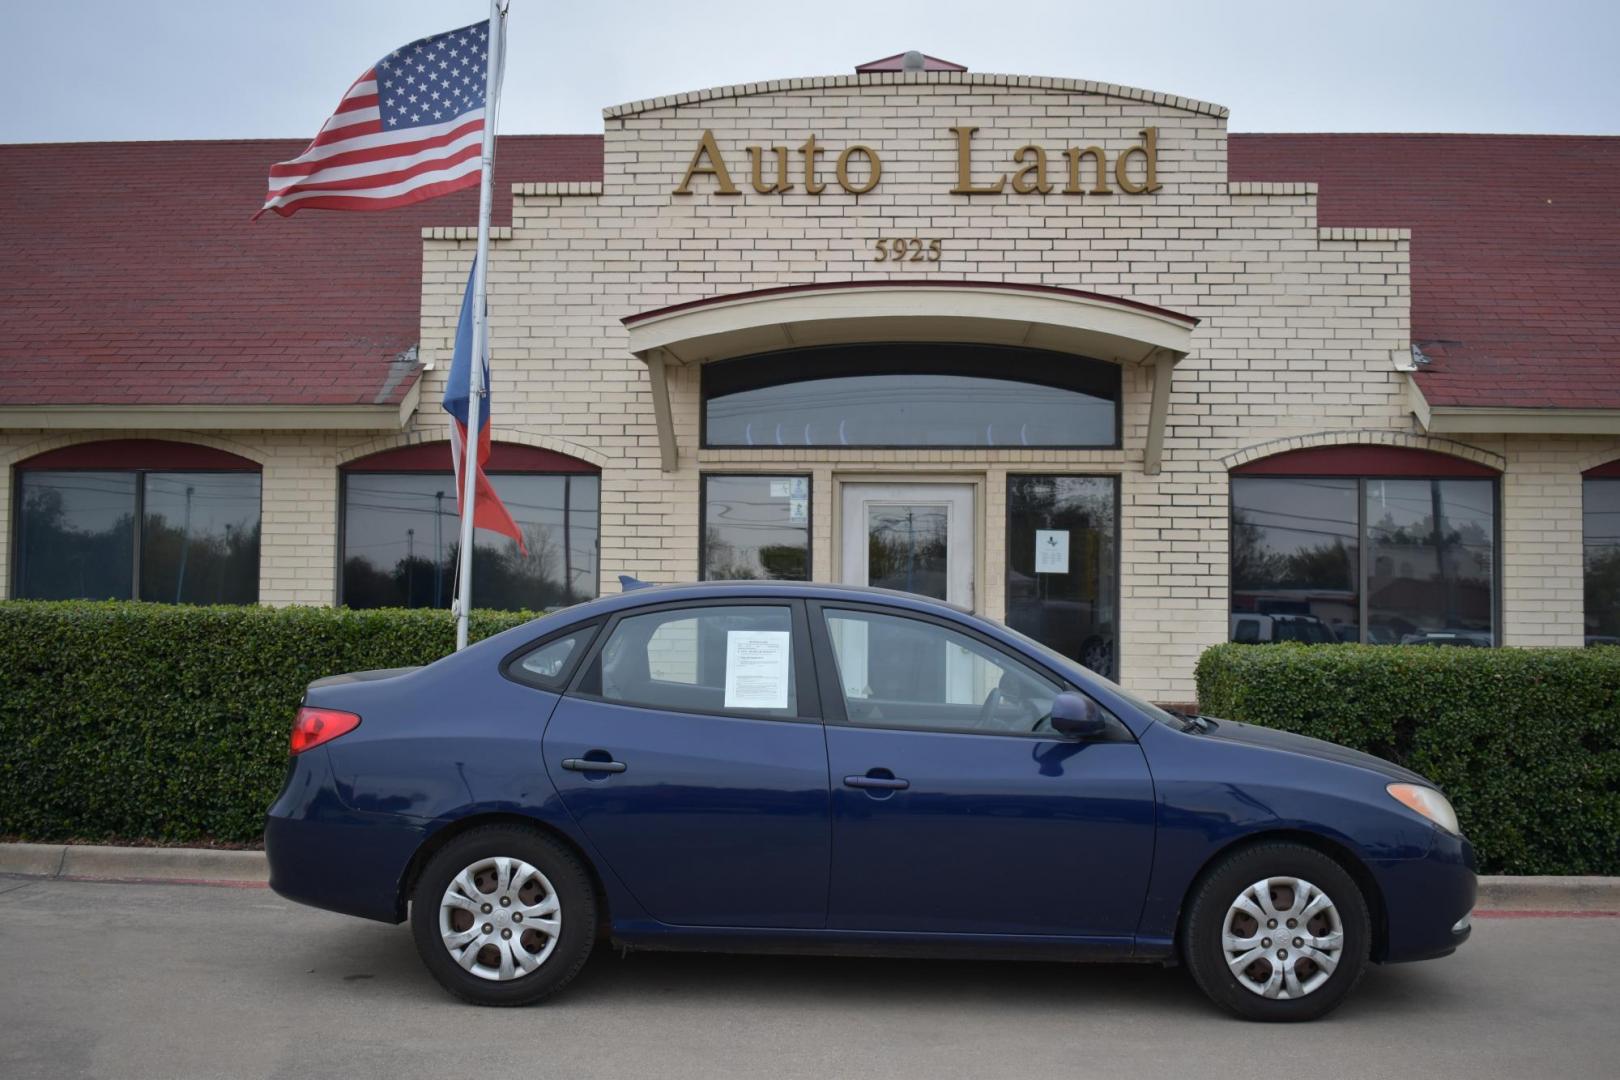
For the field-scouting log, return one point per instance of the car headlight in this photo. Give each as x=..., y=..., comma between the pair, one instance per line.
x=1428, y=802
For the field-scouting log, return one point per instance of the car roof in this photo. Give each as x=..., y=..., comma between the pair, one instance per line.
x=642, y=595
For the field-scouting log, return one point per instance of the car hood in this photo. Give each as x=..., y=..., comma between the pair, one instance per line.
x=1273, y=739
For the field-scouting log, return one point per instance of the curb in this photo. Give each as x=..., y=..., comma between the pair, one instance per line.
x=99, y=862
x=1585, y=894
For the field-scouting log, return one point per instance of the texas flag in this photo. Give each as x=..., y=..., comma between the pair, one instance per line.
x=488, y=510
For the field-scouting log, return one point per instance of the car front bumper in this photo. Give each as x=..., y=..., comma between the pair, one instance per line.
x=1428, y=902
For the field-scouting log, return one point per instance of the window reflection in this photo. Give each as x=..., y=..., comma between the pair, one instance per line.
x=197, y=542
x=77, y=535
x=1072, y=610
x=402, y=531
x=200, y=538
x=1428, y=564
x=1294, y=552
x=911, y=395
x=908, y=548
x=1429, y=575
x=1601, y=544
x=756, y=528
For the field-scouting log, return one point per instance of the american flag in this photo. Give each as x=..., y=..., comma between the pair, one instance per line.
x=410, y=128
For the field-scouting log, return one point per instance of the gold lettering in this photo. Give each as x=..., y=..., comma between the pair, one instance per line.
x=715, y=168
x=1032, y=177
x=756, y=156
x=1149, y=149
x=810, y=150
x=1099, y=158
x=964, y=166
x=873, y=163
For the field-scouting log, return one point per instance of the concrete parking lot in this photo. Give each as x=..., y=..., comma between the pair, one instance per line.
x=171, y=982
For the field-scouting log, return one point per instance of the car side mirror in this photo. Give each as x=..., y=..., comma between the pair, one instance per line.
x=1078, y=717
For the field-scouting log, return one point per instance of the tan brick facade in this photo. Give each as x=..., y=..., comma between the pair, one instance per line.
x=1300, y=331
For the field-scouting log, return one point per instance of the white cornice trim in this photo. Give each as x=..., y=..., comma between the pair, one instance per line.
x=903, y=78
x=1506, y=420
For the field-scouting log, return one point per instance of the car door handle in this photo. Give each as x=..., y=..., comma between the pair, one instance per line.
x=887, y=783
x=588, y=765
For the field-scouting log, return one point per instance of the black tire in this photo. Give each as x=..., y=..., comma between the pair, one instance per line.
x=1202, y=928
x=577, y=908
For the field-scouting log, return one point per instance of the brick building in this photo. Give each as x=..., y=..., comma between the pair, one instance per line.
x=1068, y=353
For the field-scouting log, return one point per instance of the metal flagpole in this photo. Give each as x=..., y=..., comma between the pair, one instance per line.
x=475, y=370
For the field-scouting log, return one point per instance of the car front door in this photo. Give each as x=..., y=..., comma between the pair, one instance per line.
x=690, y=751
x=955, y=808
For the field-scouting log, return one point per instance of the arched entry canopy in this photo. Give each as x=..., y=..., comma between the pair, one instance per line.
x=991, y=313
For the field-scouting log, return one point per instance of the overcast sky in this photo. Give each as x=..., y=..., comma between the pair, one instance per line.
x=165, y=69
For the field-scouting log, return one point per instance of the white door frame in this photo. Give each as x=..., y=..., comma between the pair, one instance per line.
x=957, y=497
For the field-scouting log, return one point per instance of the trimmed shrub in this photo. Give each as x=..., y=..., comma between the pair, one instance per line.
x=1525, y=742
x=124, y=720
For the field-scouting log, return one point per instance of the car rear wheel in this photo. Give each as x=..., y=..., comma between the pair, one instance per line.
x=1278, y=931
x=503, y=915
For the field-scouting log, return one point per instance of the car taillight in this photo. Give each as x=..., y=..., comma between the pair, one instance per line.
x=316, y=726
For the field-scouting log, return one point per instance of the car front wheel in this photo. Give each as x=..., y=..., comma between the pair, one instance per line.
x=503, y=916
x=1278, y=931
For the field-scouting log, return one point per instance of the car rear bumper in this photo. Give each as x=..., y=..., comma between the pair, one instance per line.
x=325, y=855
x=1428, y=901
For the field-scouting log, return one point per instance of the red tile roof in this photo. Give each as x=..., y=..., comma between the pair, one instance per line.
x=130, y=274
x=115, y=290
x=1515, y=252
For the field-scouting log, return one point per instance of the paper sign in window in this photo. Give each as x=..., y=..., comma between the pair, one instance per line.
x=757, y=663
x=1051, y=551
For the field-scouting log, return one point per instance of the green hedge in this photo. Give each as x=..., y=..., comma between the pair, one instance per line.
x=157, y=722
x=1525, y=742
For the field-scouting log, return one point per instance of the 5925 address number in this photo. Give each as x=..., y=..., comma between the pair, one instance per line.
x=907, y=249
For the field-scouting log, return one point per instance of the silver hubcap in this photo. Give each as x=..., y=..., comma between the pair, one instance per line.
x=500, y=918
x=1282, y=937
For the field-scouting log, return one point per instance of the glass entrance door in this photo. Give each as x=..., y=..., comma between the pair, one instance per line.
x=912, y=537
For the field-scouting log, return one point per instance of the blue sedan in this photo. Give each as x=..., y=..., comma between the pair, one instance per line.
x=798, y=767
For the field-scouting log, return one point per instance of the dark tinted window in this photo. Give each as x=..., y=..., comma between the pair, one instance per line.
x=756, y=527
x=1065, y=596
x=401, y=533
x=1294, y=552
x=1601, y=540
x=911, y=395
x=1299, y=561
x=198, y=540
x=76, y=535
x=1432, y=553
x=706, y=659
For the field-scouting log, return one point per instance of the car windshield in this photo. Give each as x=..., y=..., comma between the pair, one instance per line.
x=1060, y=661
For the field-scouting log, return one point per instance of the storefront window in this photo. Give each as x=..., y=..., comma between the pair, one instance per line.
x=401, y=539
x=1601, y=541
x=1062, y=565
x=1295, y=570
x=1315, y=559
x=911, y=395
x=197, y=541
x=756, y=528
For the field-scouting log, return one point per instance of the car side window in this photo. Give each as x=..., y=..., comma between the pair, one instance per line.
x=719, y=659
x=548, y=664
x=897, y=672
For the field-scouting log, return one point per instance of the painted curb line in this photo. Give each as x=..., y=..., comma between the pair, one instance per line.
x=99, y=862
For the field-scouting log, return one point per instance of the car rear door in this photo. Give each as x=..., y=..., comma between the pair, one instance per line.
x=690, y=751
x=950, y=814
